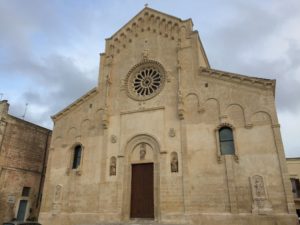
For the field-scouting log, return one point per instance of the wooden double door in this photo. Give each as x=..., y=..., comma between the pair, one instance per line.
x=142, y=194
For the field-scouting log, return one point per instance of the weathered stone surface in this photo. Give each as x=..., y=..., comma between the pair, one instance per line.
x=193, y=100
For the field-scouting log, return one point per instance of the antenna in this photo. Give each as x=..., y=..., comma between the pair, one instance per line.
x=26, y=105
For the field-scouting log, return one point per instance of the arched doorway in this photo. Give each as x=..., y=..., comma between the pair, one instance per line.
x=141, y=178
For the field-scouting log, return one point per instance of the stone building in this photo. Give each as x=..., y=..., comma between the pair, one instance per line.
x=23, y=153
x=165, y=137
x=293, y=165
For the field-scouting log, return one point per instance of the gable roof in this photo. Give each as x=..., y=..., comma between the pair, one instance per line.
x=151, y=20
x=149, y=11
x=76, y=103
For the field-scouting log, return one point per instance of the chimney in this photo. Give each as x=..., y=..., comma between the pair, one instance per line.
x=4, y=106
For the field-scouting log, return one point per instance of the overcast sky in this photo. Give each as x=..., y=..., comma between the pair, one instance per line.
x=49, y=50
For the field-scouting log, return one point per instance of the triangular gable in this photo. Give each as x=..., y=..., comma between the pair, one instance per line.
x=150, y=12
x=154, y=21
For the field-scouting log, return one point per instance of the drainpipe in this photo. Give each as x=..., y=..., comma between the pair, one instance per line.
x=41, y=185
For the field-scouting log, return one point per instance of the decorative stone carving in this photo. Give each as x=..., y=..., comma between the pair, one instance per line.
x=78, y=172
x=180, y=106
x=174, y=162
x=113, y=139
x=172, y=132
x=108, y=80
x=113, y=166
x=143, y=151
x=105, y=119
x=56, y=205
x=146, y=51
x=261, y=204
x=58, y=193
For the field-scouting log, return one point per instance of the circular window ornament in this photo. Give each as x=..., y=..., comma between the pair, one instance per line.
x=145, y=80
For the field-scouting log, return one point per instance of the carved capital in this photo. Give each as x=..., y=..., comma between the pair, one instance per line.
x=249, y=126
x=78, y=172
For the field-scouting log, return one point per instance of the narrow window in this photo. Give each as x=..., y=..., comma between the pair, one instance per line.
x=26, y=191
x=226, y=141
x=77, y=157
x=296, y=187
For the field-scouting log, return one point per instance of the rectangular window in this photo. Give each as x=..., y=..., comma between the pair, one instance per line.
x=26, y=191
x=296, y=187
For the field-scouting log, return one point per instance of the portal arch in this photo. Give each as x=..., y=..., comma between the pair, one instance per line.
x=140, y=149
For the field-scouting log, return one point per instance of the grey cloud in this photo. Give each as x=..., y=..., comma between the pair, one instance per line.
x=57, y=83
x=243, y=43
x=42, y=40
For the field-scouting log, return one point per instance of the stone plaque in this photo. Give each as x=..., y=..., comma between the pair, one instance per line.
x=11, y=199
x=261, y=203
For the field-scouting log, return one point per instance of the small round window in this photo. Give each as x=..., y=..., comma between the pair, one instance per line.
x=145, y=80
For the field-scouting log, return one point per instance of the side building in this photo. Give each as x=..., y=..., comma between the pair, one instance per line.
x=23, y=155
x=293, y=165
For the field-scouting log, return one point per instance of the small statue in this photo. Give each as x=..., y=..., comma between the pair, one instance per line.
x=142, y=151
x=174, y=162
x=113, y=166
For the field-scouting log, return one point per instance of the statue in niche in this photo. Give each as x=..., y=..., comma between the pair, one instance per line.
x=143, y=151
x=174, y=162
x=113, y=166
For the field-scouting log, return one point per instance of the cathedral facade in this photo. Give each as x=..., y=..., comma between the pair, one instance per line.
x=165, y=137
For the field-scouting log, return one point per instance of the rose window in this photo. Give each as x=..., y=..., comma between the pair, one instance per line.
x=145, y=80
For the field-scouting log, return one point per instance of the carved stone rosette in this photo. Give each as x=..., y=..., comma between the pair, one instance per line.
x=261, y=204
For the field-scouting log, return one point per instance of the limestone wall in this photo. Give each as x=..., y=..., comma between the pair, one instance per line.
x=183, y=120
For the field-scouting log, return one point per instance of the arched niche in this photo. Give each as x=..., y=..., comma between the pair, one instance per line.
x=211, y=112
x=191, y=103
x=261, y=118
x=236, y=115
x=84, y=127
